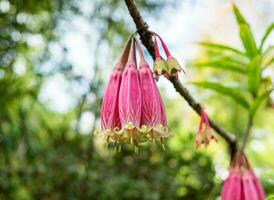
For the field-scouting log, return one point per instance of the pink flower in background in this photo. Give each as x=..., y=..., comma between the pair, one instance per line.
x=130, y=98
x=249, y=188
x=204, y=136
x=242, y=183
x=232, y=186
x=258, y=186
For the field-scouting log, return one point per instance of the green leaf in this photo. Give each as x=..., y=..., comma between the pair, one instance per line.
x=270, y=198
x=267, y=33
x=248, y=40
x=227, y=62
x=245, y=33
x=220, y=47
x=225, y=65
x=256, y=104
x=232, y=92
x=240, y=18
x=254, y=75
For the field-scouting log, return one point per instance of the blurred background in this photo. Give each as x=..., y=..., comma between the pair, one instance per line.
x=55, y=60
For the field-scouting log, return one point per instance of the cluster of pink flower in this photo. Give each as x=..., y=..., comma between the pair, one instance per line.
x=242, y=183
x=133, y=112
x=132, y=109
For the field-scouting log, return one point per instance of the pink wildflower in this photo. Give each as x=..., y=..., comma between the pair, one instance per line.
x=258, y=186
x=232, y=186
x=203, y=136
x=153, y=116
x=130, y=99
x=132, y=109
x=110, y=121
x=242, y=183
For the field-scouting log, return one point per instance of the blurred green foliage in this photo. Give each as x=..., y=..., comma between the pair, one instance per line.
x=242, y=75
x=44, y=155
x=246, y=80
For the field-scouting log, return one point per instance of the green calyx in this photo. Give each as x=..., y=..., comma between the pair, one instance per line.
x=160, y=67
x=173, y=65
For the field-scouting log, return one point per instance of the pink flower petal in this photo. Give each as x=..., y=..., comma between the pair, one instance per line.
x=232, y=187
x=249, y=188
x=130, y=94
x=258, y=186
x=151, y=109
x=109, y=110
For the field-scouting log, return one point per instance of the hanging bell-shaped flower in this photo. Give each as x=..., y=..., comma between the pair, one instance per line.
x=203, y=135
x=153, y=116
x=130, y=99
x=110, y=120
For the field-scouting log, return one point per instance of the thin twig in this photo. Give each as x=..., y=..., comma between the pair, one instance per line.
x=146, y=38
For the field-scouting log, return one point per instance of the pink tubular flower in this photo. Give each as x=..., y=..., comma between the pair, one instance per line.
x=242, y=183
x=163, y=111
x=162, y=128
x=248, y=186
x=110, y=121
x=232, y=186
x=132, y=108
x=153, y=116
x=159, y=66
x=109, y=111
x=203, y=136
x=258, y=186
x=173, y=65
x=130, y=100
